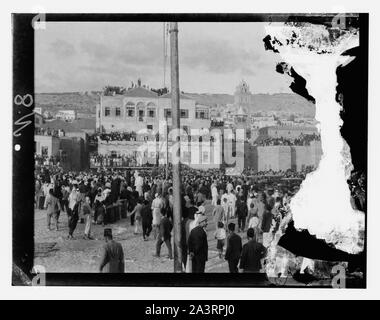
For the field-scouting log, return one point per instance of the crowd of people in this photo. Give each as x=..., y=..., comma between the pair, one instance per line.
x=44, y=160
x=115, y=136
x=236, y=202
x=284, y=174
x=112, y=161
x=217, y=123
x=49, y=132
x=302, y=140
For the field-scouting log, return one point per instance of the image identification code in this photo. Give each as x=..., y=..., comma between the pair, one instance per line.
x=206, y=309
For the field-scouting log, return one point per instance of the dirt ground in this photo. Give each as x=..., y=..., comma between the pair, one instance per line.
x=56, y=253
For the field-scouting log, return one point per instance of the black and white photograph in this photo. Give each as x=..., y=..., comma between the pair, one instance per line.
x=222, y=150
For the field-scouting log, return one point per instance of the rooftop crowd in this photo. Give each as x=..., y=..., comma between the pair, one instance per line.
x=49, y=132
x=302, y=140
x=115, y=136
x=217, y=123
x=44, y=160
x=112, y=161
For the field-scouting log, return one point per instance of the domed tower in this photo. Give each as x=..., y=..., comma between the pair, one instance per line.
x=243, y=96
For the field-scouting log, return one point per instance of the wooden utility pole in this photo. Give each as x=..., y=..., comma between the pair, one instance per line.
x=176, y=165
x=167, y=149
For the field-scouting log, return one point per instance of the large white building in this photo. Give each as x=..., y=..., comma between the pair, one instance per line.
x=142, y=109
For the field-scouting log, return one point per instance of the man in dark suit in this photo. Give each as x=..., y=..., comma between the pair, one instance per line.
x=234, y=247
x=112, y=260
x=252, y=253
x=146, y=219
x=165, y=229
x=115, y=188
x=198, y=246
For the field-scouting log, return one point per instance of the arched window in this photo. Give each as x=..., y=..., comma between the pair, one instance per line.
x=130, y=109
x=140, y=110
x=151, y=111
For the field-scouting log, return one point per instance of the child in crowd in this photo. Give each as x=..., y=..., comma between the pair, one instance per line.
x=220, y=236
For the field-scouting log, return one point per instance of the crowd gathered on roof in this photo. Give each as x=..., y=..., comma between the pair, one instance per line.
x=99, y=160
x=217, y=123
x=290, y=173
x=302, y=140
x=115, y=136
x=49, y=132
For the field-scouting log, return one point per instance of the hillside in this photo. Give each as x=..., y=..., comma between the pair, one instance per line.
x=82, y=103
x=289, y=103
x=86, y=103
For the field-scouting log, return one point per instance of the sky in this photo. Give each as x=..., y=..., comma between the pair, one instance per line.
x=213, y=57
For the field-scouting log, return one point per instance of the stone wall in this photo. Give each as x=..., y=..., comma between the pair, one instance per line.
x=273, y=158
x=49, y=142
x=76, y=156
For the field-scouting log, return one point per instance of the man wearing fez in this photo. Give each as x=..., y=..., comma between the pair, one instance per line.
x=234, y=247
x=198, y=246
x=112, y=260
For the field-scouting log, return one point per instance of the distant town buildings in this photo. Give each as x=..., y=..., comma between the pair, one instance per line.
x=130, y=128
x=67, y=115
x=263, y=121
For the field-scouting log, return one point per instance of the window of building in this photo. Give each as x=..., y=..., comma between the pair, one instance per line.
x=117, y=112
x=201, y=114
x=141, y=115
x=149, y=127
x=184, y=113
x=130, y=112
x=107, y=112
x=151, y=113
x=167, y=113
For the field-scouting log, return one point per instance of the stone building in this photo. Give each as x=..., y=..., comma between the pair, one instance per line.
x=134, y=110
x=140, y=109
x=46, y=146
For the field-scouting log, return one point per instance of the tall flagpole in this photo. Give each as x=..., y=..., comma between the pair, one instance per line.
x=177, y=214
